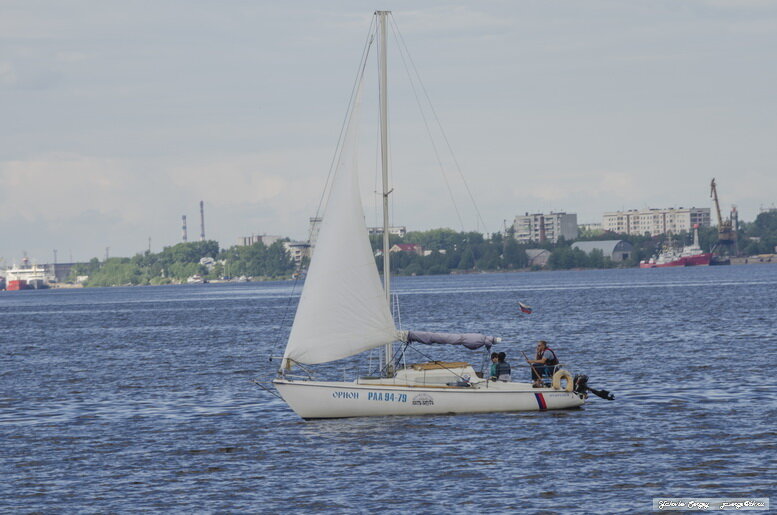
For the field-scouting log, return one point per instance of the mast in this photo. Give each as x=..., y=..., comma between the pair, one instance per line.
x=388, y=357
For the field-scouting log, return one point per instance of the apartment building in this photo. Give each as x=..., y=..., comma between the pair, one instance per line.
x=540, y=227
x=297, y=250
x=656, y=221
x=399, y=230
x=246, y=241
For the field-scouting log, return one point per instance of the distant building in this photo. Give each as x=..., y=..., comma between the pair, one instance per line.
x=297, y=250
x=415, y=248
x=656, y=221
x=616, y=250
x=267, y=240
x=538, y=257
x=394, y=231
x=539, y=227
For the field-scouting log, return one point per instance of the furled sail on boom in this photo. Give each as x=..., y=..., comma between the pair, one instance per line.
x=471, y=341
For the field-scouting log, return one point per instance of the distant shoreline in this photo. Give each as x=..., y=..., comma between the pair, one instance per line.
x=765, y=259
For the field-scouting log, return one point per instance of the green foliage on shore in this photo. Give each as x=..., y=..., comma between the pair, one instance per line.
x=460, y=252
x=761, y=235
x=450, y=251
x=565, y=258
x=258, y=261
x=177, y=263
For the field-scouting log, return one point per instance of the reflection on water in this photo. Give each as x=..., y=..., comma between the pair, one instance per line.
x=141, y=398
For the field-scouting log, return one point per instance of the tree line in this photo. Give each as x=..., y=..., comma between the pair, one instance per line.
x=446, y=251
x=457, y=252
x=453, y=251
x=760, y=236
x=179, y=262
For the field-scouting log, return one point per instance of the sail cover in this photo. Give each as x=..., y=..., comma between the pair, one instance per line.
x=469, y=340
x=343, y=309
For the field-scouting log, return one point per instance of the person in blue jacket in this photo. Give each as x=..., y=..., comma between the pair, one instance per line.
x=494, y=360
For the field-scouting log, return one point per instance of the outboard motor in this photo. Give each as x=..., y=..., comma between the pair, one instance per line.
x=581, y=387
x=581, y=383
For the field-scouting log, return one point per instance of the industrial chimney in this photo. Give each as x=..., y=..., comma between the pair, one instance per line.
x=183, y=228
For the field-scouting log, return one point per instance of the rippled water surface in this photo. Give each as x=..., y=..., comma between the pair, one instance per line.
x=130, y=399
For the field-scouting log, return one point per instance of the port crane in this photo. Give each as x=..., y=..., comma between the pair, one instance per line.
x=727, y=235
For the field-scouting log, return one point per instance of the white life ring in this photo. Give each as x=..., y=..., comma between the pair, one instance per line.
x=558, y=376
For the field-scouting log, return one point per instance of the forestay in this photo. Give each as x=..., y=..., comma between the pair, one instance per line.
x=343, y=309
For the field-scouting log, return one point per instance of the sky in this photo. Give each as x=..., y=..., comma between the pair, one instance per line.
x=117, y=118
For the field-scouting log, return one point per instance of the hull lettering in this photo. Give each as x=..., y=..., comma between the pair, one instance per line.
x=345, y=395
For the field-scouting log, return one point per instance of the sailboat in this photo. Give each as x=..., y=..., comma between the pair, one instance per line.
x=344, y=311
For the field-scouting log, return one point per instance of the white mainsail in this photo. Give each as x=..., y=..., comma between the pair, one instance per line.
x=343, y=309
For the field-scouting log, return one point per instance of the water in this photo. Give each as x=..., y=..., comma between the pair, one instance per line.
x=128, y=399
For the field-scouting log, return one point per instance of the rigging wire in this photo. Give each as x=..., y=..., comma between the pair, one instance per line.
x=338, y=149
x=429, y=132
x=397, y=313
x=266, y=389
x=401, y=40
x=348, y=113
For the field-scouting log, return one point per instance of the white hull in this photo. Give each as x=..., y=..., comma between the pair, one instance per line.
x=320, y=399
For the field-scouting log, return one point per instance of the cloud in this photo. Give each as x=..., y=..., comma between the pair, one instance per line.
x=29, y=73
x=234, y=179
x=56, y=199
x=7, y=74
x=454, y=20
x=563, y=186
x=58, y=186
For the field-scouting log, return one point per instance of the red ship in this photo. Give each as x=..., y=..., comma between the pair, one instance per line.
x=691, y=255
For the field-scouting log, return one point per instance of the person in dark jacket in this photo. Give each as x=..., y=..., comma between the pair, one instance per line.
x=502, y=371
